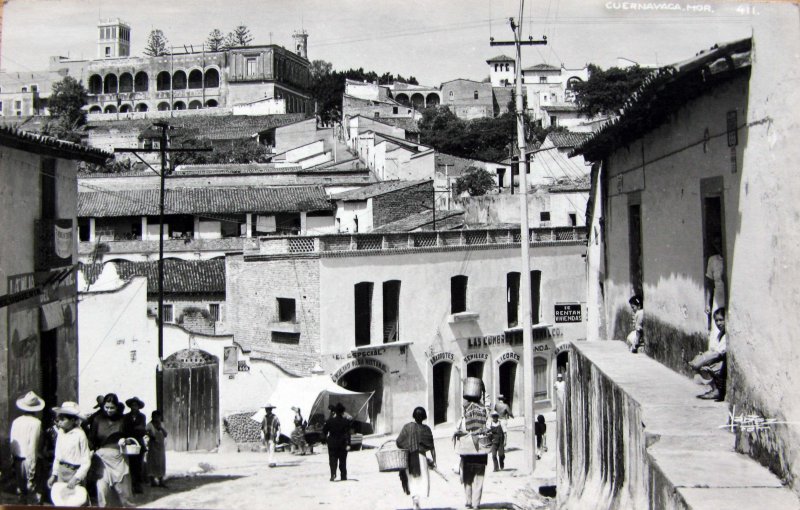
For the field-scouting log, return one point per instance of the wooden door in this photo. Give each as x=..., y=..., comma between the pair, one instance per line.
x=191, y=400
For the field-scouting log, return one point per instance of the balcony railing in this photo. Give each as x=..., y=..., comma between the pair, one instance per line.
x=170, y=245
x=409, y=240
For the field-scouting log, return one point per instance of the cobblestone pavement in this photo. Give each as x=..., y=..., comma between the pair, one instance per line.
x=230, y=479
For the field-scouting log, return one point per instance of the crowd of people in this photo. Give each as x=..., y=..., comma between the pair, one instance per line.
x=105, y=456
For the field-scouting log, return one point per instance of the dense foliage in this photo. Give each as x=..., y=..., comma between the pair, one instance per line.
x=606, y=91
x=240, y=36
x=327, y=85
x=157, y=44
x=66, y=109
x=475, y=181
x=215, y=40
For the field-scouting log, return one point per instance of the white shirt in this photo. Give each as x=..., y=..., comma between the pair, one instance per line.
x=73, y=448
x=719, y=345
x=24, y=437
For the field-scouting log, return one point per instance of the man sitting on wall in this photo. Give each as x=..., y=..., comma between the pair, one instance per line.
x=712, y=363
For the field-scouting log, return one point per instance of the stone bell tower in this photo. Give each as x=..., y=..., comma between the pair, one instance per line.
x=114, y=39
x=301, y=43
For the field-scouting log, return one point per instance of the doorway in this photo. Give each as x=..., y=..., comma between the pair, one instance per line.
x=508, y=384
x=48, y=359
x=713, y=239
x=365, y=379
x=441, y=391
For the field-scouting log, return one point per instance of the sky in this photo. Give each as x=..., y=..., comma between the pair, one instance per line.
x=432, y=40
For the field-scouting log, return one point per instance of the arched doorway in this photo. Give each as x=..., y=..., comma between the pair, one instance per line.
x=475, y=369
x=432, y=100
x=562, y=363
x=443, y=386
x=368, y=379
x=510, y=386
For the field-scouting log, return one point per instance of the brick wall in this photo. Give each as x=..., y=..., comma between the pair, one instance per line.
x=252, y=291
x=402, y=203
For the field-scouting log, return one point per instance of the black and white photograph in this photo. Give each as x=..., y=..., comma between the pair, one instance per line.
x=400, y=255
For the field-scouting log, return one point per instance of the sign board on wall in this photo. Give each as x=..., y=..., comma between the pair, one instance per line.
x=568, y=312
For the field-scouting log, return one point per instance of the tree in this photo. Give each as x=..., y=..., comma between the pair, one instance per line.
x=66, y=103
x=240, y=36
x=320, y=69
x=606, y=91
x=216, y=40
x=475, y=181
x=157, y=44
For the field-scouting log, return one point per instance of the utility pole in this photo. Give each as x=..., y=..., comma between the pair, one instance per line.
x=163, y=149
x=529, y=447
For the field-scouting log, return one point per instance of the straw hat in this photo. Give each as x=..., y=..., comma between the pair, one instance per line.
x=269, y=406
x=30, y=402
x=68, y=409
x=494, y=413
x=62, y=495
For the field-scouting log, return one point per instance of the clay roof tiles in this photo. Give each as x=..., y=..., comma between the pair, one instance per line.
x=180, y=276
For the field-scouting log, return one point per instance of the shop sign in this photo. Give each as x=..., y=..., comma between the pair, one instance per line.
x=510, y=355
x=356, y=363
x=513, y=338
x=476, y=356
x=365, y=353
x=568, y=312
x=562, y=347
x=442, y=356
x=541, y=348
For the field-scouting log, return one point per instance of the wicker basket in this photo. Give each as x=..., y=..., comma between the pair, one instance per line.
x=391, y=459
x=473, y=387
x=474, y=444
x=131, y=448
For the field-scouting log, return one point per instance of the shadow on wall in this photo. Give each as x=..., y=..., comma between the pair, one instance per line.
x=663, y=342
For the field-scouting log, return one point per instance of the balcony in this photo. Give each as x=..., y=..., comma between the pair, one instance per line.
x=291, y=327
x=224, y=244
x=466, y=316
x=330, y=245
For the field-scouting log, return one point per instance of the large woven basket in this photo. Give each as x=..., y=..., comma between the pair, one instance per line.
x=472, y=387
x=473, y=444
x=391, y=459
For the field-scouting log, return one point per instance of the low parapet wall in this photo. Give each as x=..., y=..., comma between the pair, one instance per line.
x=632, y=435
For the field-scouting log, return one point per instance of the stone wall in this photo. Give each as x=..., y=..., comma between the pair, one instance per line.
x=625, y=441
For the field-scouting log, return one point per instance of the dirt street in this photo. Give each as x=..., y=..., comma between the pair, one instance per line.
x=229, y=479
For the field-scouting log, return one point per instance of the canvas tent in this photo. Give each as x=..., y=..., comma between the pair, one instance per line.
x=313, y=395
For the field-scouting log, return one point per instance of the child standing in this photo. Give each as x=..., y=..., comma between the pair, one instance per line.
x=497, y=435
x=72, y=457
x=26, y=431
x=636, y=336
x=539, y=430
x=156, y=451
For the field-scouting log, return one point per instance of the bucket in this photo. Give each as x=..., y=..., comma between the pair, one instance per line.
x=473, y=387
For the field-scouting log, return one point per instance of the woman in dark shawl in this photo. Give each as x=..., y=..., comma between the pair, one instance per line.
x=417, y=439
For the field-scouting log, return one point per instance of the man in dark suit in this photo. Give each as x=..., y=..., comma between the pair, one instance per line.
x=337, y=433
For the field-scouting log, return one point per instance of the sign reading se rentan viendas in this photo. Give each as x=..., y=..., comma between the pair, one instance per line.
x=568, y=312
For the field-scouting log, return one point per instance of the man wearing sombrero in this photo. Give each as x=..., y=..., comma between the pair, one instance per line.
x=72, y=457
x=270, y=430
x=24, y=437
x=136, y=422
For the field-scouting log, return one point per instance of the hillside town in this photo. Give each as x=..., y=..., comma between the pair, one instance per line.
x=225, y=278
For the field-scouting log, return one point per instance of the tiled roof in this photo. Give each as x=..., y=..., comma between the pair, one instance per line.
x=664, y=91
x=455, y=165
x=568, y=139
x=424, y=220
x=40, y=144
x=374, y=190
x=560, y=107
x=500, y=58
x=237, y=169
x=410, y=125
x=212, y=127
x=542, y=67
x=180, y=276
x=145, y=202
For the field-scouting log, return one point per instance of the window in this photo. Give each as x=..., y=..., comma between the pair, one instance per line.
x=394, y=110
x=573, y=219
x=251, y=66
x=553, y=121
x=17, y=105
x=451, y=95
x=391, y=311
x=458, y=294
x=167, y=314
x=34, y=88
x=363, y=313
x=24, y=89
x=544, y=216
x=506, y=67
x=48, y=186
x=286, y=310
x=475, y=94
x=542, y=79
x=495, y=68
x=512, y=299
x=536, y=284
x=213, y=311
x=108, y=51
x=1, y=106
x=377, y=114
